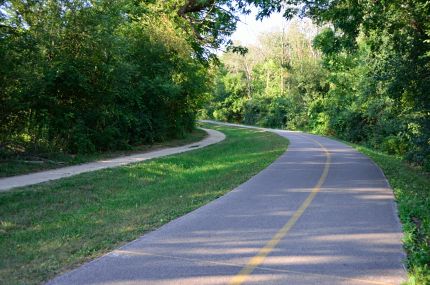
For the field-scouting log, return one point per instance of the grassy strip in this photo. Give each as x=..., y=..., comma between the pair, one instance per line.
x=50, y=228
x=412, y=190
x=26, y=163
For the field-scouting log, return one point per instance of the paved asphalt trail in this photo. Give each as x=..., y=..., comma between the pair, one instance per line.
x=320, y=214
x=9, y=183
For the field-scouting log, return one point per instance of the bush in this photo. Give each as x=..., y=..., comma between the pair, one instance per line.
x=89, y=79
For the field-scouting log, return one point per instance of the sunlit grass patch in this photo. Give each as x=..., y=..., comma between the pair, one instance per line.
x=47, y=229
x=22, y=162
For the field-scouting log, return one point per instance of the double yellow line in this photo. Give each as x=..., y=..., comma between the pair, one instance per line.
x=258, y=259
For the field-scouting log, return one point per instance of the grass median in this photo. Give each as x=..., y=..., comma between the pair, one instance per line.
x=50, y=228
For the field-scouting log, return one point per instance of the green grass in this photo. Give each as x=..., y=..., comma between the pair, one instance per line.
x=26, y=162
x=411, y=187
x=50, y=228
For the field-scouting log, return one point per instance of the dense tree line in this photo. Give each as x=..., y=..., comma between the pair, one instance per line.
x=91, y=75
x=365, y=77
x=83, y=76
x=274, y=83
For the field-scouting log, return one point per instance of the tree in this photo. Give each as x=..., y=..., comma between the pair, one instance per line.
x=84, y=76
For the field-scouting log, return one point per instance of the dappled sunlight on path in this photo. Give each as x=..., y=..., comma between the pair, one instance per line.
x=348, y=234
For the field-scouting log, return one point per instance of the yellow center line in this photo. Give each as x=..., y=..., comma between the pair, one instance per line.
x=258, y=259
x=199, y=260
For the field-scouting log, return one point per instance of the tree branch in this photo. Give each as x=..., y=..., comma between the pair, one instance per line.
x=192, y=6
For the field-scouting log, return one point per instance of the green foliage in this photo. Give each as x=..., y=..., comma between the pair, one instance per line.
x=366, y=86
x=273, y=84
x=83, y=77
x=366, y=80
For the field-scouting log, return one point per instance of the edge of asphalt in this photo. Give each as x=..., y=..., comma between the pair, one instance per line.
x=395, y=211
x=68, y=272
x=112, y=252
x=9, y=183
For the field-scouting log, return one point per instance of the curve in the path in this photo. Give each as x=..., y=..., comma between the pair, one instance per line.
x=346, y=233
x=9, y=183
